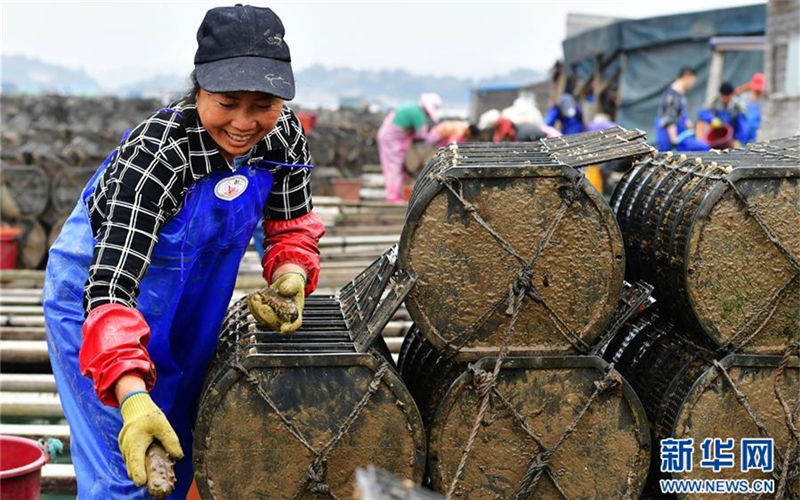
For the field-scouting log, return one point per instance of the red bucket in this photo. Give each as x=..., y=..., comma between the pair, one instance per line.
x=21, y=462
x=9, y=247
x=720, y=137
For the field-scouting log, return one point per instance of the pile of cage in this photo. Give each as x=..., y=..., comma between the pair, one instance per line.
x=520, y=266
x=718, y=235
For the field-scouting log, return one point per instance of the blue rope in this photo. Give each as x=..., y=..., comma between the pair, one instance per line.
x=288, y=165
x=180, y=115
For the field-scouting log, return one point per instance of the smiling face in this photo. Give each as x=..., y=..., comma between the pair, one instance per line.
x=237, y=120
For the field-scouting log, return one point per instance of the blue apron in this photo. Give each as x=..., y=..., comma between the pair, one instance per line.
x=183, y=296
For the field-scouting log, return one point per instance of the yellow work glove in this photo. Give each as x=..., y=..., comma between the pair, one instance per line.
x=290, y=286
x=143, y=421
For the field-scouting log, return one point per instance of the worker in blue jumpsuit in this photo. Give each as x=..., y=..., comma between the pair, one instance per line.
x=567, y=114
x=674, y=130
x=140, y=277
x=752, y=102
x=724, y=111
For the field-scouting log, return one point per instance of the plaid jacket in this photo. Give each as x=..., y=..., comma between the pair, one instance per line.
x=145, y=185
x=671, y=106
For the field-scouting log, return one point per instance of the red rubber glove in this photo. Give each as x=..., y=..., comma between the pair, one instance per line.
x=293, y=241
x=114, y=344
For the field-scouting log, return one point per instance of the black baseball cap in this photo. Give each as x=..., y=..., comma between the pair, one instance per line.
x=242, y=48
x=726, y=88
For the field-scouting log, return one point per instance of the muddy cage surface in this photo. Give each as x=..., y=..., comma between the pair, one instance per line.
x=551, y=427
x=689, y=392
x=293, y=417
x=535, y=427
x=747, y=396
x=487, y=222
x=717, y=234
x=428, y=371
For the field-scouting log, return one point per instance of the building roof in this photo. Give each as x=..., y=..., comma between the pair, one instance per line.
x=632, y=34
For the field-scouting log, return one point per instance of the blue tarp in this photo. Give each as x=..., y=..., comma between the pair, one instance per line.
x=651, y=51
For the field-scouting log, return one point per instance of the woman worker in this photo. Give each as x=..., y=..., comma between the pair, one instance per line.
x=139, y=279
x=396, y=134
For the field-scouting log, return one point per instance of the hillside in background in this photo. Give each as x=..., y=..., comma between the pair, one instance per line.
x=317, y=86
x=32, y=76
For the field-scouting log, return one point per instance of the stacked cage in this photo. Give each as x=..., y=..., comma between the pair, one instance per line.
x=293, y=417
x=718, y=235
x=51, y=146
x=519, y=266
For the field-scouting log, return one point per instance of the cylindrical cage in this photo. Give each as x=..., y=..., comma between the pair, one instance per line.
x=555, y=427
x=28, y=186
x=657, y=358
x=687, y=393
x=718, y=237
x=741, y=398
x=293, y=417
x=488, y=220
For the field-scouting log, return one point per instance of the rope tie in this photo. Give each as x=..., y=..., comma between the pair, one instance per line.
x=524, y=278
x=317, y=472
x=612, y=380
x=575, y=190
x=484, y=381
x=510, y=307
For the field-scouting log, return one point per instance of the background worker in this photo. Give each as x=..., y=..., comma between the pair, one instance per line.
x=601, y=121
x=504, y=130
x=753, y=92
x=567, y=114
x=674, y=130
x=140, y=277
x=396, y=135
x=452, y=131
x=724, y=113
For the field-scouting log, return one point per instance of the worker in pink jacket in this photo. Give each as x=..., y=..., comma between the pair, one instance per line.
x=396, y=135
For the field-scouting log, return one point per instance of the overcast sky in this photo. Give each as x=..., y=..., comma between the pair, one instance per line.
x=120, y=42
